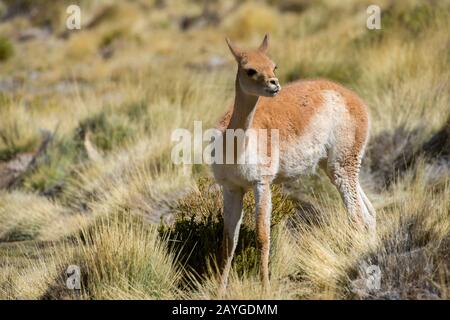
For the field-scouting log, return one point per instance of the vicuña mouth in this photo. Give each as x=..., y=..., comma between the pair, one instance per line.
x=273, y=92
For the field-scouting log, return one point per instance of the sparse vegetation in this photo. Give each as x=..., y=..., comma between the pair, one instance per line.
x=105, y=196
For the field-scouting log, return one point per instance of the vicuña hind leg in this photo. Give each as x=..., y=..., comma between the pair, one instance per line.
x=344, y=175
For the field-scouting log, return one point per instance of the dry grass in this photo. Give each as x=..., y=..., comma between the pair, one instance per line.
x=119, y=255
x=25, y=216
x=141, y=227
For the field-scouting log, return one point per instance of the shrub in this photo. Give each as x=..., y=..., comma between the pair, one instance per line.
x=196, y=234
x=53, y=170
x=251, y=19
x=407, y=23
x=17, y=133
x=6, y=49
x=108, y=129
x=343, y=72
x=41, y=13
x=81, y=45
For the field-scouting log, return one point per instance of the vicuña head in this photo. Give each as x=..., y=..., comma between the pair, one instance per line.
x=256, y=71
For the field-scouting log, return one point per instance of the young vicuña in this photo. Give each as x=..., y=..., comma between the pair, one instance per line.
x=319, y=123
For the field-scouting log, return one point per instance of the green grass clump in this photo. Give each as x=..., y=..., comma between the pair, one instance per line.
x=9, y=152
x=17, y=134
x=408, y=23
x=42, y=13
x=197, y=232
x=413, y=20
x=110, y=37
x=6, y=49
x=109, y=130
x=55, y=166
x=21, y=233
x=346, y=72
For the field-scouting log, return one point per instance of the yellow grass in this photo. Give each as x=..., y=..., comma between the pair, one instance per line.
x=125, y=215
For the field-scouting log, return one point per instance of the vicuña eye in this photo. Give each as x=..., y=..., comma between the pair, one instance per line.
x=251, y=72
x=275, y=68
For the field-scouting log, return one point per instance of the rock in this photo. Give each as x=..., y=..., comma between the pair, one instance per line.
x=213, y=62
x=11, y=170
x=9, y=84
x=33, y=33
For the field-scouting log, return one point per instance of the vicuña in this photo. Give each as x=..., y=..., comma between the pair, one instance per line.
x=319, y=122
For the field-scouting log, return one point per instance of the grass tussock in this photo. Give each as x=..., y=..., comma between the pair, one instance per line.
x=6, y=49
x=27, y=216
x=16, y=131
x=252, y=19
x=119, y=256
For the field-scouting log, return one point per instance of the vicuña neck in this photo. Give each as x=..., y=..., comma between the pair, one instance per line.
x=243, y=110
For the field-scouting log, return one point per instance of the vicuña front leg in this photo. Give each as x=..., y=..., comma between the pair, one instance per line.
x=232, y=218
x=263, y=213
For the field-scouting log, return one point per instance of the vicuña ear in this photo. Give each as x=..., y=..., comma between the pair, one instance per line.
x=237, y=53
x=265, y=44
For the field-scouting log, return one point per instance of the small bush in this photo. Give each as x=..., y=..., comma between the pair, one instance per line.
x=17, y=132
x=6, y=49
x=110, y=37
x=109, y=130
x=343, y=72
x=53, y=169
x=414, y=20
x=10, y=152
x=41, y=13
x=197, y=232
x=407, y=23
x=82, y=45
x=120, y=15
x=251, y=19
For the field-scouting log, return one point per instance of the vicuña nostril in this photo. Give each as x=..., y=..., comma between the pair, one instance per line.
x=274, y=82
